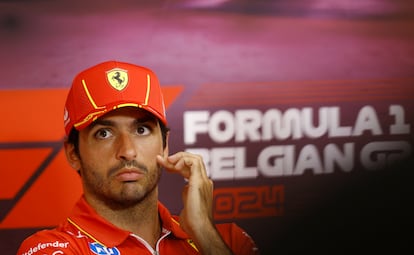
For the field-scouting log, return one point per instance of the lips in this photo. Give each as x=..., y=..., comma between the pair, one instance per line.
x=129, y=176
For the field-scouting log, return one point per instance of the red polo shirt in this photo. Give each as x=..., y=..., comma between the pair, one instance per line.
x=85, y=232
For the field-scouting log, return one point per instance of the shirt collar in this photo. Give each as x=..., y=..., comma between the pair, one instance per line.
x=86, y=220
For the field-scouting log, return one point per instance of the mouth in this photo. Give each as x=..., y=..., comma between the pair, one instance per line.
x=131, y=171
x=129, y=175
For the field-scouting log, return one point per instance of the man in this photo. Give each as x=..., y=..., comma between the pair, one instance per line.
x=117, y=139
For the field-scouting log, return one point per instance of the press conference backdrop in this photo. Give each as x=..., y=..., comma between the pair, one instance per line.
x=303, y=112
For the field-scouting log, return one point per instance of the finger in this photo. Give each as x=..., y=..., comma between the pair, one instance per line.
x=193, y=161
x=187, y=164
x=163, y=161
x=175, y=164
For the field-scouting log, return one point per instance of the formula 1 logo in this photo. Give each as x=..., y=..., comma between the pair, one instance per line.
x=35, y=176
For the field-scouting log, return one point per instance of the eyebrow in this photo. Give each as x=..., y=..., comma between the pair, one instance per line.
x=102, y=122
x=140, y=120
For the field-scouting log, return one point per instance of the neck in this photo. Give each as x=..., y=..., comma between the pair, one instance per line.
x=142, y=218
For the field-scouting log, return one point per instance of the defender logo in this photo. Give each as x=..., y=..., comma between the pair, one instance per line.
x=118, y=78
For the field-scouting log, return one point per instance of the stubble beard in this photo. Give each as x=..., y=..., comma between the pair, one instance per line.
x=122, y=195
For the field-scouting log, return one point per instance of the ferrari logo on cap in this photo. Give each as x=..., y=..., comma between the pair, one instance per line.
x=118, y=78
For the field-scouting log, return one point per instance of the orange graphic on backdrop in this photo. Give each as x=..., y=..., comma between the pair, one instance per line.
x=37, y=186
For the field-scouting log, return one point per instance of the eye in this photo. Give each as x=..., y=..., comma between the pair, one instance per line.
x=103, y=133
x=143, y=130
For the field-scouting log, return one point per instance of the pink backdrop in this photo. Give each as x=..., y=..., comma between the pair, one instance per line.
x=348, y=64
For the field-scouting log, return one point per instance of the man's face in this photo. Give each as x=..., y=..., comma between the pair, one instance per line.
x=118, y=156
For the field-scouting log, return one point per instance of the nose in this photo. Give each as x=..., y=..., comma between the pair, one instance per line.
x=126, y=148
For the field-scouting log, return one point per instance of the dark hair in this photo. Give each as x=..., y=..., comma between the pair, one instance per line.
x=73, y=137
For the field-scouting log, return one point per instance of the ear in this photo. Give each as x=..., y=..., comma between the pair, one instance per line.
x=71, y=155
x=166, y=150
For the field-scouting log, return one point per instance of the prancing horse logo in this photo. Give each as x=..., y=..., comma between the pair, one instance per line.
x=118, y=78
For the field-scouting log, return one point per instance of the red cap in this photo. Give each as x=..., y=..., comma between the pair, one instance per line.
x=108, y=86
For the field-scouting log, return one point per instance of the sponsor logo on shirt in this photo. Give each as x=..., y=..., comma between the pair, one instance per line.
x=99, y=249
x=42, y=246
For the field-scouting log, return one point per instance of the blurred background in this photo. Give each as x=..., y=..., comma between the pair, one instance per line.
x=222, y=55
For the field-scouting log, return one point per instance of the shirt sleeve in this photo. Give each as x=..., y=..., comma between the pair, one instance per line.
x=238, y=240
x=51, y=242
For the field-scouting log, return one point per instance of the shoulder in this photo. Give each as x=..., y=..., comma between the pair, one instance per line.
x=237, y=238
x=51, y=241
